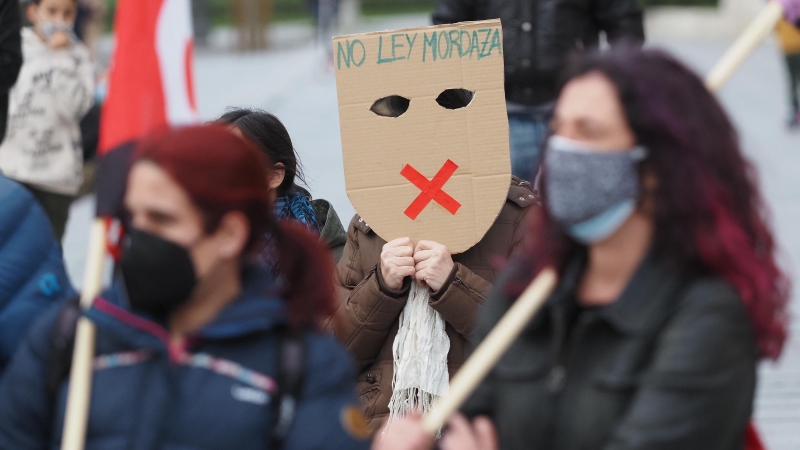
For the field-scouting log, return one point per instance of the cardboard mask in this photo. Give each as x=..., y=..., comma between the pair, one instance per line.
x=425, y=131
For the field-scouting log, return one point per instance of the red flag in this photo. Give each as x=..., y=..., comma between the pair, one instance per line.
x=150, y=83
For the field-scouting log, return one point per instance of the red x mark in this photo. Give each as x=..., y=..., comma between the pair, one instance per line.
x=431, y=190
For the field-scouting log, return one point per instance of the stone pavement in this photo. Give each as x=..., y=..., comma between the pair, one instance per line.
x=296, y=86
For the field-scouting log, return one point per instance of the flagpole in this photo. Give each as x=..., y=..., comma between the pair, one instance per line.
x=80, y=380
x=492, y=348
x=756, y=32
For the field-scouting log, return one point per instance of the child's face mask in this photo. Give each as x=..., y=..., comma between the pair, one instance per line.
x=48, y=28
x=54, y=16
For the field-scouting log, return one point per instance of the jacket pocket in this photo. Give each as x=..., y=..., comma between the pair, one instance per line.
x=368, y=387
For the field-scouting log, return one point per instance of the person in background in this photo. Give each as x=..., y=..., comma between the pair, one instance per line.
x=789, y=37
x=32, y=273
x=538, y=37
x=10, y=55
x=291, y=200
x=197, y=346
x=326, y=20
x=669, y=293
x=55, y=89
x=376, y=279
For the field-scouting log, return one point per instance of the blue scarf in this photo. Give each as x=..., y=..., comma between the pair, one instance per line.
x=297, y=206
x=293, y=206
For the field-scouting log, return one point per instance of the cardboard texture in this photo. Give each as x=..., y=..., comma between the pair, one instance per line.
x=431, y=173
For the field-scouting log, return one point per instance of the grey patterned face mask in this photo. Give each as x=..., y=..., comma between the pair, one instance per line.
x=590, y=193
x=49, y=28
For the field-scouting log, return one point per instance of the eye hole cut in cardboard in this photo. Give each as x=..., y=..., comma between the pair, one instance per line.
x=391, y=106
x=440, y=169
x=455, y=98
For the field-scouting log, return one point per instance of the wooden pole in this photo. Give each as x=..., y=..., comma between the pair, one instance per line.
x=80, y=380
x=757, y=31
x=491, y=349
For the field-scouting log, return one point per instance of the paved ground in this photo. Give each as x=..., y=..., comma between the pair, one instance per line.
x=295, y=85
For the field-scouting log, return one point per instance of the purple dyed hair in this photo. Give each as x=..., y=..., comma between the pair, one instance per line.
x=709, y=216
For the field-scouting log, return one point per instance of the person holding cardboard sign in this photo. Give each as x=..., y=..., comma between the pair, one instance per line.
x=425, y=144
x=669, y=292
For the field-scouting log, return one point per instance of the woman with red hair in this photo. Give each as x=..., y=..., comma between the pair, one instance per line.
x=197, y=345
x=669, y=293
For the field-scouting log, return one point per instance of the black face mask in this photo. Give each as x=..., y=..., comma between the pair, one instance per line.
x=159, y=274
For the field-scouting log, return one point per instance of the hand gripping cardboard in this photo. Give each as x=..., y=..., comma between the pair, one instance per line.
x=430, y=173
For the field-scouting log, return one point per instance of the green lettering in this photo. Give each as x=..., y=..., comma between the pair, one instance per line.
x=382, y=60
x=341, y=52
x=363, y=52
x=495, y=42
x=475, y=44
x=456, y=41
x=396, y=46
x=447, y=48
x=468, y=48
x=482, y=52
x=411, y=44
x=429, y=42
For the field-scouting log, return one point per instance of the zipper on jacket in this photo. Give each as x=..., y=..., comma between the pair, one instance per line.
x=558, y=375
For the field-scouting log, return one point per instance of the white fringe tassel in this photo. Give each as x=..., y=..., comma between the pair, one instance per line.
x=420, y=356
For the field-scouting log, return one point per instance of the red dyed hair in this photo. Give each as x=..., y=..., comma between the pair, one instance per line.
x=222, y=172
x=709, y=216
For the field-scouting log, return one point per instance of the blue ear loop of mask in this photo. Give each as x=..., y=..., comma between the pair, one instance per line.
x=600, y=227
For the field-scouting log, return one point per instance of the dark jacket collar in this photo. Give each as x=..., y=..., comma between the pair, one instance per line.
x=642, y=304
x=257, y=308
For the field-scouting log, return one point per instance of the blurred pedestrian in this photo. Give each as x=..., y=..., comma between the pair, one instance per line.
x=669, y=291
x=376, y=279
x=89, y=23
x=538, y=37
x=326, y=19
x=789, y=37
x=252, y=23
x=197, y=347
x=55, y=89
x=32, y=273
x=291, y=200
x=10, y=55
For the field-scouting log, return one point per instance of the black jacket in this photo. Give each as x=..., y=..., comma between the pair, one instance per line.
x=670, y=365
x=10, y=55
x=539, y=35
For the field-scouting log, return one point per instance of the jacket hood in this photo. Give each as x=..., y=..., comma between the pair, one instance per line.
x=32, y=43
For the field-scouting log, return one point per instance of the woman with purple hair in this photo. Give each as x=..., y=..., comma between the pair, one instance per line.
x=669, y=294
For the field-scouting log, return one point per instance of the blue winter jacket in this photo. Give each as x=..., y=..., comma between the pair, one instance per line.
x=214, y=392
x=32, y=274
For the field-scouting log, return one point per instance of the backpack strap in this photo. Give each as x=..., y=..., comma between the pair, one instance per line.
x=291, y=376
x=62, y=342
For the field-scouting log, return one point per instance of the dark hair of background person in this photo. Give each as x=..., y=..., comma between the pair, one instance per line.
x=221, y=173
x=709, y=216
x=271, y=136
